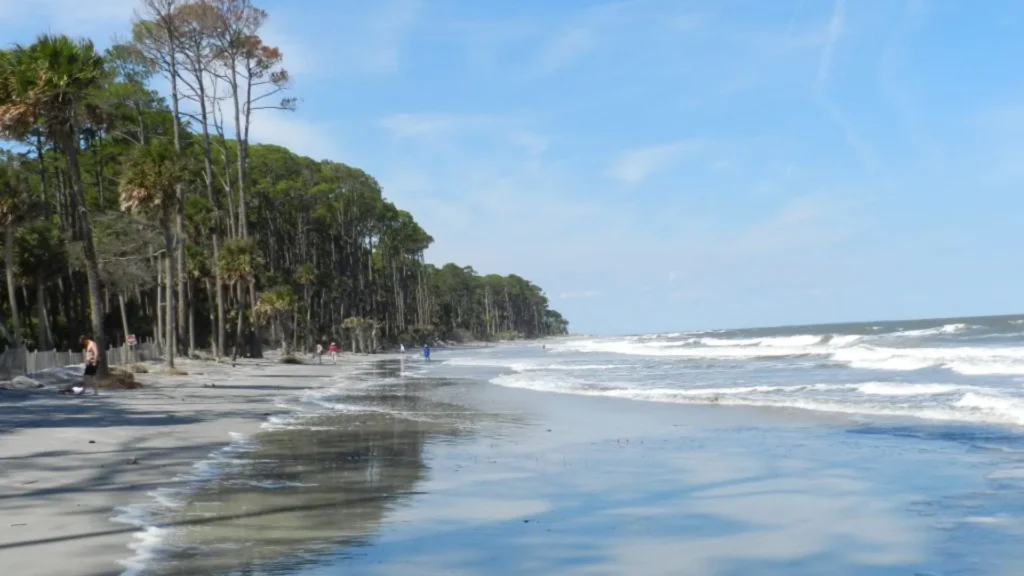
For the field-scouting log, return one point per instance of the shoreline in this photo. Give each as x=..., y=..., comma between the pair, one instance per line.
x=71, y=463
x=439, y=474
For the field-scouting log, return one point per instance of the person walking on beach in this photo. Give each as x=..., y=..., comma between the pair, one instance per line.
x=92, y=357
x=426, y=352
x=319, y=353
x=333, y=349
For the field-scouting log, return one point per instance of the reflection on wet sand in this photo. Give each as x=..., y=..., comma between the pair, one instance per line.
x=321, y=488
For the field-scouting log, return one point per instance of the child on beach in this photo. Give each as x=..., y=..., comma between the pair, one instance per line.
x=319, y=353
x=333, y=349
x=426, y=352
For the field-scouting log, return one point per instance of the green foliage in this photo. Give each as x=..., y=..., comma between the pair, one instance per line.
x=150, y=180
x=321, y=254
x=238, y=260
x=50, y=82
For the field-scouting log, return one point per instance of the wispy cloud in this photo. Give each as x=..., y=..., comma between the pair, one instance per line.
x=388, y=31
x=68, y=12
x=635, y=166
x=686, y=295
x=832, y=35
x=313, y=139
x=571, y=43
x=802, y=223
x=864, y=151
x=569, y=46
x=418, y=125
x=533, y=143
x=581, y=294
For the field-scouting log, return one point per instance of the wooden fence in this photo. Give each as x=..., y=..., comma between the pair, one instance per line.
x=16, y=361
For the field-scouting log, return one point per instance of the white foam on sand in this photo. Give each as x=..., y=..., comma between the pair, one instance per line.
x=149, y=542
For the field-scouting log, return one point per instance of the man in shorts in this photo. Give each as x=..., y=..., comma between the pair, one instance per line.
x=91, y=356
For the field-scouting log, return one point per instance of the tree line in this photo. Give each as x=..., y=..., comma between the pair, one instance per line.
x=130, y=211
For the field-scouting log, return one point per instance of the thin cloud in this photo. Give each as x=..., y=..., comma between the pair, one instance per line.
x=579, y=39
x=635, y=166
x=864, y=151
x=564, y=50
x=801, y=224
x=64, y=13
x=582, y=294
x=424, y=126
x=388, y=31
x=301, y=136
x=834, y=32
x=686, y=295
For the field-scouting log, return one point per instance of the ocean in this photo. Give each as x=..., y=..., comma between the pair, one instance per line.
x=867, y=448
x=965, y=369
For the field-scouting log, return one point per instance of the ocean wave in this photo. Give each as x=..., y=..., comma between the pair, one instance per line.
x=970, y=361
x=896, y=389
x=939, y=330
x=717, y=339
x=797, y=341
x=945, y=401
x=848, y=350
x=530, y=366
x=642, y=349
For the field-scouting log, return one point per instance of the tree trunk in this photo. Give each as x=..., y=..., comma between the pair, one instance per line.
x=218, y=349
x=176, y=278
x=219, y=287
x=238, y=329
x=12, y=293
x=172, y=329
x=92, y=266
x=124, y=324
x=191, y=320
x=44, y=322
x=159, y=303
x=215, y=339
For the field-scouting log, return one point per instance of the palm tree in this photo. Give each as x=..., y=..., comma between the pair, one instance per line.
x=50, y=84
x=237, y=264
x=305, y=276
x=274, y=304
x=149, y=185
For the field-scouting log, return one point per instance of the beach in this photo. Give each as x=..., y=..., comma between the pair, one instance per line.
x=64, y=460
x=388, y=466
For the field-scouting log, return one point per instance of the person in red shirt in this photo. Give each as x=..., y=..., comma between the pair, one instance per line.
x=333, y=349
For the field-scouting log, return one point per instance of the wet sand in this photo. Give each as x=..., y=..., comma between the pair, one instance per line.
x=443, y=476
x=428, y=476
x=64, y=460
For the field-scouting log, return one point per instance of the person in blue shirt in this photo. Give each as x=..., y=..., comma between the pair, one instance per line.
x=426, y=351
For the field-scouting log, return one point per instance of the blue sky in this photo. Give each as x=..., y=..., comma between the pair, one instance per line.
x=662, y=165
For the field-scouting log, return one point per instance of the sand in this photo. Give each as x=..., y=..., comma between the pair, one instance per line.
x=446, y=476
x=65, y=461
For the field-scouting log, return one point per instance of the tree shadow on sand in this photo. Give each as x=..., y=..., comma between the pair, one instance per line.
x=304, y=495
